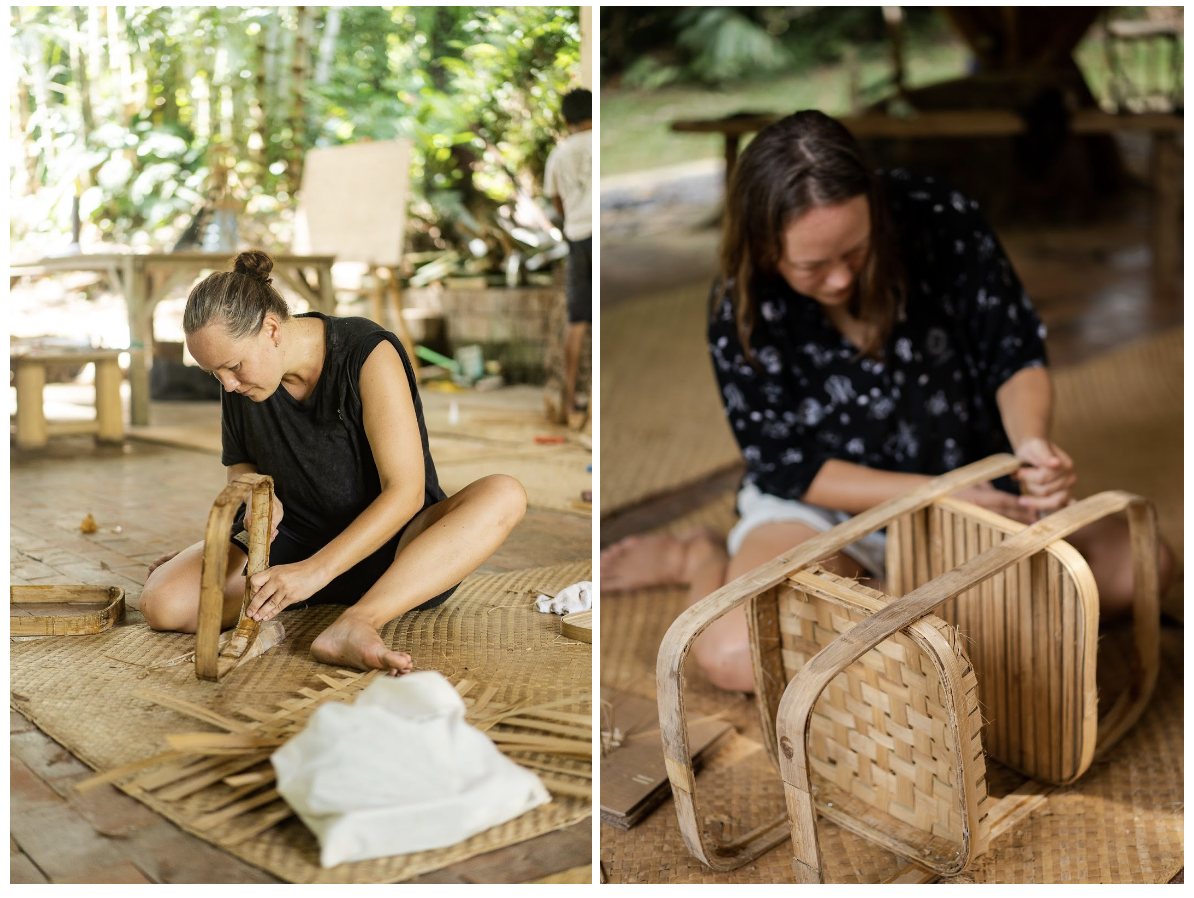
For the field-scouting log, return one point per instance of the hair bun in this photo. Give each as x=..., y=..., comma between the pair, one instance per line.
x=254, y=263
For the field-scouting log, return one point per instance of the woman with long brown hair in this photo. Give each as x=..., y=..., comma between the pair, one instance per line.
x=329, y=408
x=867, y=332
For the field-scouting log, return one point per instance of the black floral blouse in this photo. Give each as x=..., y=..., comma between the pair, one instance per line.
x=927, y=405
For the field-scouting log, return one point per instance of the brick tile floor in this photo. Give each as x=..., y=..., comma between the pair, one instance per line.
x=147, y=500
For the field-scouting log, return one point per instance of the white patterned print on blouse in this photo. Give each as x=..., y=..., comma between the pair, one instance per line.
x=927, y=403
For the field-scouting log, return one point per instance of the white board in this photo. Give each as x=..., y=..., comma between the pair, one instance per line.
x=353, y=202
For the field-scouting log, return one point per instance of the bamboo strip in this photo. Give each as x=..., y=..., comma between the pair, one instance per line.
x=210, y=821
x=116, y=773
x=194, y=710
x=555, y=768
x=561, y=787
x=483, y=700
x=206, y=742
x=558, y=729
x=510, y=748
x=549, y=743
x=189, y=766
x=213, y=803
x=269, y=818
x=227, y=766
x=259, y=778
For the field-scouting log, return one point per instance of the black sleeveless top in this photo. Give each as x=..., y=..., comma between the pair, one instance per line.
x=316, y=449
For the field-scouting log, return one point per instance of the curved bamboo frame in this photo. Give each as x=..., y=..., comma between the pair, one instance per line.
x=693, y=621
x=795, y=710
x=66, y=624
x=210, y=662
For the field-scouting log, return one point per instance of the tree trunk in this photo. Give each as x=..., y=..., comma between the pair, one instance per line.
x=298, y=86
x=80, y=65
x=258, y=153
x=327, y=46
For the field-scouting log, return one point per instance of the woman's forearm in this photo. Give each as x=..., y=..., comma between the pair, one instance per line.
x=1026, y=405
x=372, y=529
x=853, y=488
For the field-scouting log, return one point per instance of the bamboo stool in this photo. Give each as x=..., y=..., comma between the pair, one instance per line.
x=210, y=662
x=33, y=430
x=870, y=705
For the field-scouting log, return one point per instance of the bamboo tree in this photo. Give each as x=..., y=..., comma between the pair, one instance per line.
x=80, y=72
x=258, y=153
x=298, y=87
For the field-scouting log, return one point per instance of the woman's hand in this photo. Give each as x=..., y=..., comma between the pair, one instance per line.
x=1006, y=504
x=275, y=519
x=281, y=586
x=1047, y=480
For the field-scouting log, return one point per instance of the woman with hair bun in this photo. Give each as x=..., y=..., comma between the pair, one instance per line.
x=330, y=409
x=867, y=332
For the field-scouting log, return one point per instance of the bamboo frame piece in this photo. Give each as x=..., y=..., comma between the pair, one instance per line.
x=777, y=704
x=110, y=597
x=211, y=663
x=693, y=621
x=795, y=711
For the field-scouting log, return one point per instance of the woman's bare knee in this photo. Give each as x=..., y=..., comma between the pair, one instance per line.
x=164, y=601
x=727, y=666
x=509, y=499
x=170, y=599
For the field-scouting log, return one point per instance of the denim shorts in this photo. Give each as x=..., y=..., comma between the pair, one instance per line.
x=756, y=507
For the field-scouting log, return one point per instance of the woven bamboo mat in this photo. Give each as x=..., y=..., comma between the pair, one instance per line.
x=553, y=476
x=79, y=691
x=1120, y=416
x=662, y=421
x=1121, y=822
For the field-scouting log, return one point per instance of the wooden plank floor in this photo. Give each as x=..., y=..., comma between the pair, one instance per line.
x=104, y=836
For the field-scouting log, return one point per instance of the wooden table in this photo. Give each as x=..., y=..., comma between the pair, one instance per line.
x=976, y=123
x=144, y=279
x=33, y=430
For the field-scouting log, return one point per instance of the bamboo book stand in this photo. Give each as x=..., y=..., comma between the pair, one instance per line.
x=873, y=708
x=211, y=662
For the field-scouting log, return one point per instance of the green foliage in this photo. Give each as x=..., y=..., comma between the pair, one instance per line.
x=725, y=45
x=649, y=48
x=132, y=109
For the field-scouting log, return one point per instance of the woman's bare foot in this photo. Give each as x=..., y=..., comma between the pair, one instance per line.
x=350, y=642
x=657, y=559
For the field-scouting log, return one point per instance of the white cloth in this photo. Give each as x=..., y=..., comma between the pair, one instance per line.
x=756, y=507
x=577, y=597
x=569, y=175
x=397, y=771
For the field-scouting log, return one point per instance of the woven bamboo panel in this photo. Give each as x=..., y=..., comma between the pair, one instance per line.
x=1031, y=633
x=895, y=741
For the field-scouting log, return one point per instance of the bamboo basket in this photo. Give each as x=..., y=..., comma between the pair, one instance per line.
x=870, y=706
x=109, y=599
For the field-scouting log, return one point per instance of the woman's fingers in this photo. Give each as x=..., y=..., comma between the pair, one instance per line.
x=264, y=586
x=1048, y=487
x=1046, y=504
